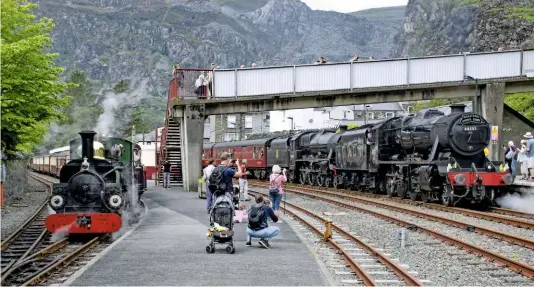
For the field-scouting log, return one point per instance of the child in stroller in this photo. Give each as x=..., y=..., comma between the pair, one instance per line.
x=221, y=229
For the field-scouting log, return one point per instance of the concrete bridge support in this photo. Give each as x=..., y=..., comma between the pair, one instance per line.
x=192, y=119
x=492, y=110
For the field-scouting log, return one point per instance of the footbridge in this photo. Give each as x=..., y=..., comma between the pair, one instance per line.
x=485, y=77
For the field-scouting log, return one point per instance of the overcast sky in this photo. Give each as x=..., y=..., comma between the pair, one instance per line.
x=351, y=5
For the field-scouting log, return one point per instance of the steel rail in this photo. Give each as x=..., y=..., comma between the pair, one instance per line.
x=25, y=225
x=489, y=216
x=519, y=267
x=398, y=270
x=524, y=242
x=360, y=272
x=512, y=212
x=49, y=249
x=63, y=261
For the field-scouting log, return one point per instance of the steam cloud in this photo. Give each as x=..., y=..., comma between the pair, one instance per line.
x=107, y=119
x=518, y=202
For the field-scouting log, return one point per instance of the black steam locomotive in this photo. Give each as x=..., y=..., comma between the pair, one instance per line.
x=100, y=183
x=428, y=155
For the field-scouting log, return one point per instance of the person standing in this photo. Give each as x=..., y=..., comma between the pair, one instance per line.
x=167, y=174
x=276, y=179
x=207, y=173
x=510, y=157
x=530, y=154
x=243, y=181
x=228, y=172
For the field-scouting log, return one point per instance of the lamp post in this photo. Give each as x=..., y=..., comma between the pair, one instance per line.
x=475, y=99
x=290, y=127
x=366, y=108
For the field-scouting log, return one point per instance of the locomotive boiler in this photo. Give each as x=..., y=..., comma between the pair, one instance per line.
x=97, y=186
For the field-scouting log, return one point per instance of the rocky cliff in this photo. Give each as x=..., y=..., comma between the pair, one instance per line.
x=141, y=40
x=451, y=26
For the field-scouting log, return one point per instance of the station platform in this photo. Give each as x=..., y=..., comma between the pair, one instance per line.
x=168, y=249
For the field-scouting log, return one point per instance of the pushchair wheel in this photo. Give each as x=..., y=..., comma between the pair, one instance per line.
x=230, y=249
x=210, y=249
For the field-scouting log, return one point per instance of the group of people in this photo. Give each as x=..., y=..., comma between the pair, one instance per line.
x=524, y=155
x=263, y=209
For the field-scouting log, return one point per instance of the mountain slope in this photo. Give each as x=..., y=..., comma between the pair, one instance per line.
x=142, y=40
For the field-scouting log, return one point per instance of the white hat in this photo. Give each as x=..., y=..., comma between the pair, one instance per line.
x=528, y=135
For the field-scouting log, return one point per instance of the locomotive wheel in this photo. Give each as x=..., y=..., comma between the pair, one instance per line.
x=328, y=181
x=320, y=180
x=413, y=195
x=302, y=177
x=390, y=187
x=312, y=178
x=337, y=182
x=380, y=187
x=447, y=197
x=425, y=197
x=401, y=190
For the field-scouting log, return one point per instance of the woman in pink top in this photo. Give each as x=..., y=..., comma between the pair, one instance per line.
x=277, y=178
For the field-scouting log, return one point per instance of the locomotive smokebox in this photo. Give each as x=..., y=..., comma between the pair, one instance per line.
x=87, y=144
x=457, y=108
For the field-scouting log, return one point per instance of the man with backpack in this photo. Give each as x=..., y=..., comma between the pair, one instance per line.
x=220, y=180
x=257, y=223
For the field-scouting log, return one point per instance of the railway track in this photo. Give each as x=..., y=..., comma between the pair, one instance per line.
x=494, y=214
x=359, y=256
x=514, y=265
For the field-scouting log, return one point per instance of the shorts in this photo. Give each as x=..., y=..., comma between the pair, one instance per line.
x=276, y=198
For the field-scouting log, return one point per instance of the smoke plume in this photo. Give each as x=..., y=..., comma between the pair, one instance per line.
x=523, y=203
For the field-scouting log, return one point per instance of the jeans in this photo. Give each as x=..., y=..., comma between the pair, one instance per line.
x=266, y=233
x=513, y=166
x=243, y=187
x=166, y=179
x=276, y=198
x=209, y=198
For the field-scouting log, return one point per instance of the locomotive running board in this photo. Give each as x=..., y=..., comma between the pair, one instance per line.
x=74, y=223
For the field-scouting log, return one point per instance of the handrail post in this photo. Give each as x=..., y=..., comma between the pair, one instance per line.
x=408, y=71
x=521, y=63
x=294, y=79
x=235, y=82
x=465, y=66
x=350, y=76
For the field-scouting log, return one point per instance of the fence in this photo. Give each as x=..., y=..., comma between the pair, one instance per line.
x=372, y=74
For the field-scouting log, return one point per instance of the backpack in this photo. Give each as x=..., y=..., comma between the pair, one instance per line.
x=216, y=180
x=256, y=217
x=273, y=188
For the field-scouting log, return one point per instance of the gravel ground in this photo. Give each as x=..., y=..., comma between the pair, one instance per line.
x=17, y=212
x=521, y=232
x=440, y=263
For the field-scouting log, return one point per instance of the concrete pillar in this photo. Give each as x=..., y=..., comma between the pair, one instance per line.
x=492, y=110
x=193, y=138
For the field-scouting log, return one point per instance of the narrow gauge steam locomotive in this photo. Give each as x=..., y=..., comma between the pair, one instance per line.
x=95, y=187
x=428, y=155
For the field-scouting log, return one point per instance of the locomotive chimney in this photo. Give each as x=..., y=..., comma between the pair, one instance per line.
x=457, y=108
x=87, y=144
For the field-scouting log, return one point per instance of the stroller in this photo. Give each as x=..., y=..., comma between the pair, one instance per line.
x=222, y=223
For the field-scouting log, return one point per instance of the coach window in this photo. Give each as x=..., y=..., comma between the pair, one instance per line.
x=390, y=115
x=254, y=153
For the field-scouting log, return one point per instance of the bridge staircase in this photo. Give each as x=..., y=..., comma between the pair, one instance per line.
x=171, y=144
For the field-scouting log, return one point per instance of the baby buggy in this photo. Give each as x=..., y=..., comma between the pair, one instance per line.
x=221, y=229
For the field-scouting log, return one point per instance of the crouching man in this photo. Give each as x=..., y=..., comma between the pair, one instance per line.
x=258, y=226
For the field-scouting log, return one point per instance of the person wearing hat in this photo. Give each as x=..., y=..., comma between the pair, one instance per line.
x=530, y=153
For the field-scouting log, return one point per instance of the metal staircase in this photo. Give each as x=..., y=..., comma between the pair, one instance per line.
x=172, y=152
x=171, y=145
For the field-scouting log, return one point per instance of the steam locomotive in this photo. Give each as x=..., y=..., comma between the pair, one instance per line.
x=428, y=155
x=98, y=185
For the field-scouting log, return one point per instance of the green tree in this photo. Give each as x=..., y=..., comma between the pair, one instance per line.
x=522, y=103
x=31, y=90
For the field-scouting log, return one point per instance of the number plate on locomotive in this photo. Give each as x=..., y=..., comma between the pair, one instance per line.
x=470, y=128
